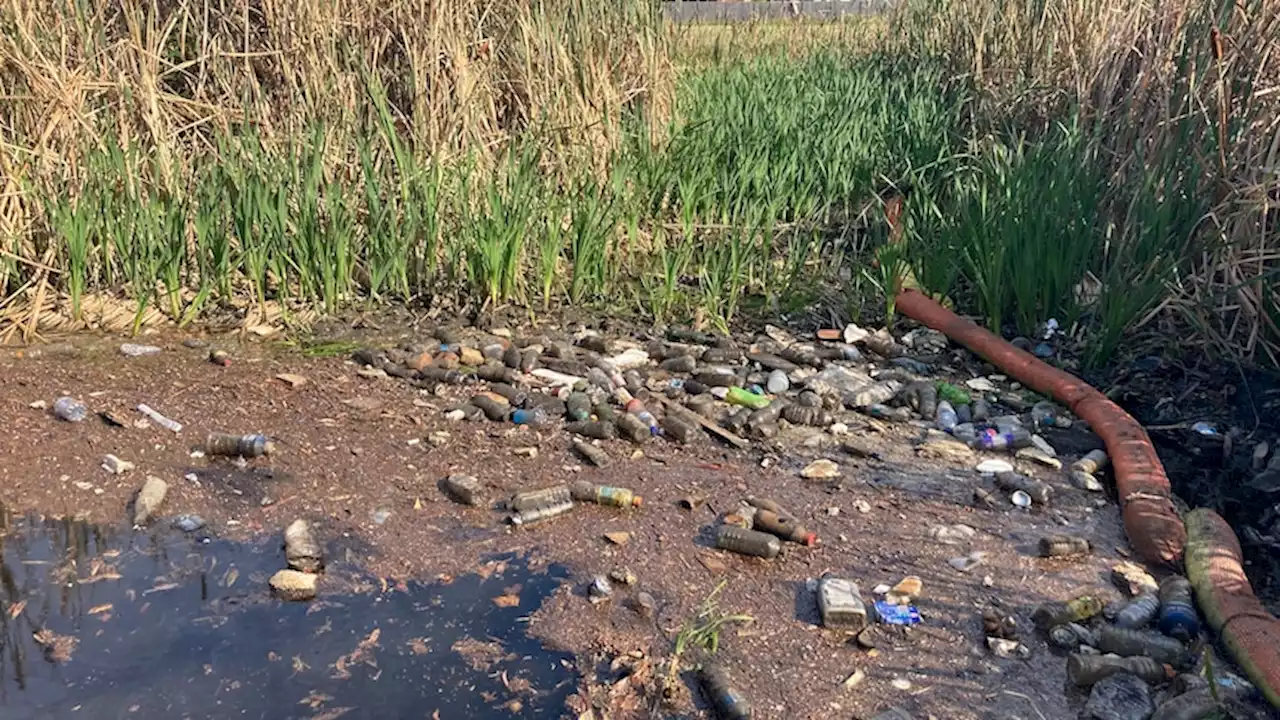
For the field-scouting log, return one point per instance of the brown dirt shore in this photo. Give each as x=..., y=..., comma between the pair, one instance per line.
x=350, y=447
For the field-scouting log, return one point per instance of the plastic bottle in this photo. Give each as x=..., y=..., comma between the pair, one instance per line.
x=1178, y=617
x=946, y=417
x=246, y=446
x=884, y=412
x=605, y=412
x=535, y=417
x=69, y=409
x=718, y=377
x=633, y=428
x=637, y=408
x=729, y=703
x=1063, y=546
x=513, y=394
x=746, y=398
x=578, y=406
x=1012, y=481
x=542, y=512
x=747, y=542
x=489, y=373
x=540, y=498
x=1128, y=643
x=840, y=604
x=493, y=409
x=1139, y=612
x=529, y=359
x=926, y=397
x=1194, y=705
x=301, y=549
x=162, y=421
x=981, y=409
x=453, y=377
x=1092, y=462
x=965, y=433
x=1015, y=438
x=964, y=414
x=1085, y=670
x=594, y=455
x=615, y=377
x=605, y=495
x=744, y=516
x=679, y=364
x=784, y=526
x=463, y=489
x=1060, y=613
x=598, y=430
x=679, y=430
x=801, y=415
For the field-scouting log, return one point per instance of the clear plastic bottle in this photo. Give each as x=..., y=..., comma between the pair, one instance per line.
x=633, y=428
x=597, y=430
x=605, y=495
x=1054, y=613
x=69, y=409
x=946, y=417
x=747, y=542
x=531, y=499
x=535, y=417
x=1063, y=546
x=1085, y=670
x=1178, y=617
x=1128, y=643
x=1139, y=612
x=245, y=446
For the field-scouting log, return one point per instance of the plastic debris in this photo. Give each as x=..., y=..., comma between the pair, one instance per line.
x=70, y=409
x=161, y=420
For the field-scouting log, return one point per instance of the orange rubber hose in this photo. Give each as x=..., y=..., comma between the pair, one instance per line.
x=1216, y=570
x=1150, y=518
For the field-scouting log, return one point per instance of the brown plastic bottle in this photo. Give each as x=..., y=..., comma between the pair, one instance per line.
x=785, y=527
x=767, y=504
x=597, y=430
x=1128, y=643
x=1060, y=613
x=605, y=495
x=1092, y=462
x=1012, y=481
x=730, y=704
x=493, y=409
x=513, y=394
x=1085, y=670
x=538, y=498
x=747, y=542
x=1063, y=546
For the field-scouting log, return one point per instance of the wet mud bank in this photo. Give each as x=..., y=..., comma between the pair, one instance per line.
x=103, y=622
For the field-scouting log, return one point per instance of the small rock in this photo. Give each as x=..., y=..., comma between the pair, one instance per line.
x=1044, y=446
x=778, y=382
x=1020, y=499
x=622, y=576
x=83, y=485
x=994, y=466
x=135, y=350
x=1132, y=578
x=838, y=429
x=1085, y=481
x=644, y=604
x=833, y=511
x=906, y=590
x=952, y=534
x=854, y=334
x=1007, y=649
x=968, y=562
x=1042, y=350
x=188, y=523
x=293, y=585
x=419, y=361
x=380, y=516
x=980, y=384
x=115, y=465
x=1035, y=454
x=618, y=537
x=39, y=405
x=862, y=506
x=945, y=448
x=455, y=415
x=599, y=590
x=822, y=469
x=294, y=381
x=371, y=373
x=712, y=563
x=901, y=684
x=529, y=452
x=988, y=581
x=855, y=679
x=1119, y=697
x=471, y=357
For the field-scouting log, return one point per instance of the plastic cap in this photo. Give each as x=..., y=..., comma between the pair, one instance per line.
x=637, y=501
x=811, y=539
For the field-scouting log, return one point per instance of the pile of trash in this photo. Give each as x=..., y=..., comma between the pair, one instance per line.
x=673, y=386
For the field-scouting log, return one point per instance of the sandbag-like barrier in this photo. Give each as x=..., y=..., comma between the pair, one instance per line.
x=1213, y=557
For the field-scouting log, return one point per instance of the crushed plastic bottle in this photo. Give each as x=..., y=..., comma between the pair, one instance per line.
x=1054, y=613
x=543, y=497
x=730, y=704
x=1128, y=643
x=633, y=428
x=1039, y=492
x=149, y=500
x=747, y=542
x=946, y=417
x=492, y=408
x=1056, y=546
x=605, y=495
x=1139, y=612
x=1085, y=670
x=69, y=409
x=136, y=350
x=894, y=614
x=302, y=551
x=540, y=513
x=1011, y=439
x=245, y=446
x=594, y=455
x=1178, y=616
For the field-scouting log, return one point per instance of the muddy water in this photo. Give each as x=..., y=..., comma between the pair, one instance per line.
x=102, y=622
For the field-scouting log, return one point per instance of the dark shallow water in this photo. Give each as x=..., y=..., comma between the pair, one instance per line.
x=107, y=623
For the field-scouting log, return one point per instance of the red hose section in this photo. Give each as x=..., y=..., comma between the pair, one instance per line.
x=1150, y=519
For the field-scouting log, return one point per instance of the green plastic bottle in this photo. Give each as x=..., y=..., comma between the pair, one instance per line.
x=746, y=398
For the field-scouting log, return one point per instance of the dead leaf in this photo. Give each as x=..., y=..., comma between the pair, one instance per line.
x=261, y=330
x=295, y=381
x=96, y=609
x=418, y=646
x=712, y=563
x=230, y=578
x=507, y=601
x=16, y=609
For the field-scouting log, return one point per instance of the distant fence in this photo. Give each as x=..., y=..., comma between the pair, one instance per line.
x=699, y=10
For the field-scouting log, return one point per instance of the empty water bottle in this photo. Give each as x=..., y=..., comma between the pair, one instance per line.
x=598, y=430
x=535, y=417
x=747, y=542
x=229, y=445
x=730, y=704
x=1085, y=670
x=69, y=409
x=1178, y=616
x=578, y=406
x=605, y=495
x=746, y=398
x=531, y=499
x=946, y=417
x=1139, y=612
x=1010, y=439
x=1054, y=613
x=1128, y=643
